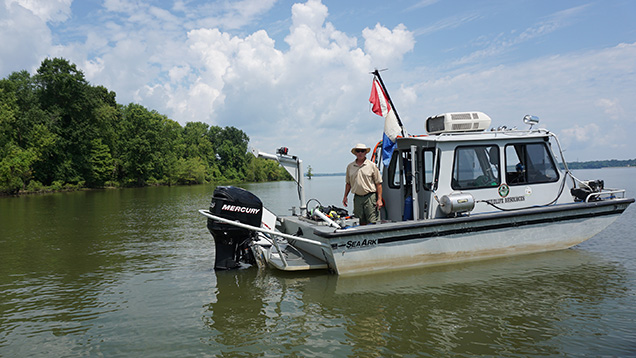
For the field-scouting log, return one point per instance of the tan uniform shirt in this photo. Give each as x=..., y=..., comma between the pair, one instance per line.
x=363, y=178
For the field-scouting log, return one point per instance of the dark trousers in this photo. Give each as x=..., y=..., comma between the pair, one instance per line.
x=365, y=208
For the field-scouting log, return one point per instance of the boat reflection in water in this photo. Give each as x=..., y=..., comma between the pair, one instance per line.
x=531, y=303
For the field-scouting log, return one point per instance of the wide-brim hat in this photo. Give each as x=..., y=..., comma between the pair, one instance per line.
x=360, y=146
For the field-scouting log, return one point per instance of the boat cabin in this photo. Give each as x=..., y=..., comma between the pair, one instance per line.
x=462, y=169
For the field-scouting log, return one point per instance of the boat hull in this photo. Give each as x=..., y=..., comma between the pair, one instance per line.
x=392, y=246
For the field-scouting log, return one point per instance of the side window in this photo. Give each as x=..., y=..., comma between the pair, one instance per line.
x=515, y=168
x=541, y=168
x=428, y=166
x=476, y=167
x=438, y=154
x=406, y=168
x=400, y=169
x=395, y=174
x=530, y=163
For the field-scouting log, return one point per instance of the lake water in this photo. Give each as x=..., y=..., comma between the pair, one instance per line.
x=129, y=273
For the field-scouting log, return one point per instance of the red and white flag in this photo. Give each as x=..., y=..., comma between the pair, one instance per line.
x=382, y=107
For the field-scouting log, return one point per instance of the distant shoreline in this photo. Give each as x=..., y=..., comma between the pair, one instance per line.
x=326, y=174
x=599, y=164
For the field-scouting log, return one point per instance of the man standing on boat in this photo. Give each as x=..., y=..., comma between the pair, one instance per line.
x=364, y=181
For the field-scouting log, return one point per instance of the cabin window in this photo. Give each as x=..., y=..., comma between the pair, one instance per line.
x=395, y=172
x=530, y=163
x=400, y=169
x=476, y=167
x=428, y=155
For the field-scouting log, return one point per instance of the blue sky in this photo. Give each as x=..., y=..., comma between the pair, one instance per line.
x=296, y=74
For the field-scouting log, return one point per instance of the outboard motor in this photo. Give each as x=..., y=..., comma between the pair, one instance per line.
x=232, y=243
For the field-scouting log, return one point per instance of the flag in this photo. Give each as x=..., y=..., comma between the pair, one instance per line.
x=382, y=107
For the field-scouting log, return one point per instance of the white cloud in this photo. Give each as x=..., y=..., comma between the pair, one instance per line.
x=178, y=73
x=585, y=140
x=228, y=15
x=611, y=107
x=311, y=39
x=92, y=67
x=388, y=46
x=50, y=10
x=122, y=6
x=311, y=14
x=585, y=133
x=25, y=36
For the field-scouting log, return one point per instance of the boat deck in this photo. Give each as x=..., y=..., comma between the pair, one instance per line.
x=295, y=259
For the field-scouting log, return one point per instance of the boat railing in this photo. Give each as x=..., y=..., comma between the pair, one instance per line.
x=273, y=238
x=274, y=242
x=207, y=214
x=606, y=194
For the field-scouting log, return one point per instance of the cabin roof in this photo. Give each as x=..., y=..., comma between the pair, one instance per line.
x=495, y=135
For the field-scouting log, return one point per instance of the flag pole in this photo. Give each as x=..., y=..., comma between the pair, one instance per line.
x=377, y=74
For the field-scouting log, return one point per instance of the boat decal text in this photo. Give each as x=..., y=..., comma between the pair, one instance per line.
x=355, y=244
x=512, y=199
x=240, y=209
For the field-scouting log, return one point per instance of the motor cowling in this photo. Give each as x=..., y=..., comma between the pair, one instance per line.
x=232, y=243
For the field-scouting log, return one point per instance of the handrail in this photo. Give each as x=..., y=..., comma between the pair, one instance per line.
x=207, y=214
x=280, y=252
x=606, y=192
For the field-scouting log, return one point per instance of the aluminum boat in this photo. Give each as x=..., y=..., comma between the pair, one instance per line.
x=460, y=193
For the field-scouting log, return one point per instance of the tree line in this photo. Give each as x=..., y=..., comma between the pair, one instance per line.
x=57, y=131
x=597, y=164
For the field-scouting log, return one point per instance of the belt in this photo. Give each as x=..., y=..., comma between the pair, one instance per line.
x=365, y=195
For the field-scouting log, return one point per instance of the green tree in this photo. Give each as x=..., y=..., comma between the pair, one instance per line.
x=8, y=114
x=171, y=151
x=63, y=94
x=140, y=138
x=259, y=169
x=101, y=164
x=23, y=139
x=196, y=140
x=18, y=90
x=230, y=147
x=15, y=168
x=190, y=171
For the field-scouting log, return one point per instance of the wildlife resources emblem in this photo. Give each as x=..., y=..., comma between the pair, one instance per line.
x=503, y=190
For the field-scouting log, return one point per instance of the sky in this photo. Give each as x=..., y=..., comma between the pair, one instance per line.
x=297, y=73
